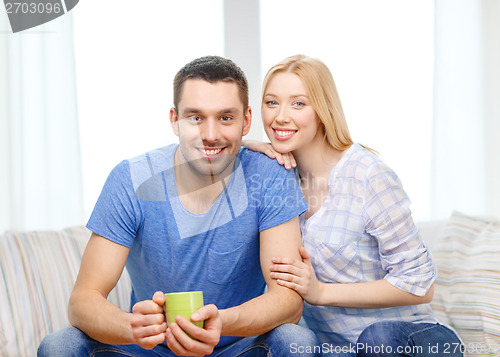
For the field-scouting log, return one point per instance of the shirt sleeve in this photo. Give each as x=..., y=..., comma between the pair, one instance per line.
x=280, y=197
x=117, y=214
x=387, y=215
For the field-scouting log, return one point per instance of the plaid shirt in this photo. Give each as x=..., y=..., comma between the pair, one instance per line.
x=364, y=232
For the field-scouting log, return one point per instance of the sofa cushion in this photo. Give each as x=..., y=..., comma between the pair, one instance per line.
x=37, y=273
x=467, y=290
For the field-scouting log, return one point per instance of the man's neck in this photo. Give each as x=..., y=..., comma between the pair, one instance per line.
x=197, y=192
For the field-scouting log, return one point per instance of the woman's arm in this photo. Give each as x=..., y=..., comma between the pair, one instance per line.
x=409, y=270
x=299, y=276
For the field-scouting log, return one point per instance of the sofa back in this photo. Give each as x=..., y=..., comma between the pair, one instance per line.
x=37, y=272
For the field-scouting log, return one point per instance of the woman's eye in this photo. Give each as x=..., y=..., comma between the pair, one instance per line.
x=271, y=102
x=299, y=104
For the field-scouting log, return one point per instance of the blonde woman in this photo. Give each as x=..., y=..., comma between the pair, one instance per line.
x=366, y=276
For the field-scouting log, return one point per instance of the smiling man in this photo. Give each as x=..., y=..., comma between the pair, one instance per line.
x=205, y=214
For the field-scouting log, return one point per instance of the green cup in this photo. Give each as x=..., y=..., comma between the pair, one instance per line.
x=183, y=304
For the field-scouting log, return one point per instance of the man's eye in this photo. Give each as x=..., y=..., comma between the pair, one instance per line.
x=194, y=118
x=226, y=118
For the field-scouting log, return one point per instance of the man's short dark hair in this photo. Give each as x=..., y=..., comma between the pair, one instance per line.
x=211, y=69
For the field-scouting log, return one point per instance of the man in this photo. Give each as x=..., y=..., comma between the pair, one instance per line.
x=202, y=215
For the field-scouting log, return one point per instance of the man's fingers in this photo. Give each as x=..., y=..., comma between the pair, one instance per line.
x=204, y=313
x=174, y=345
x=209, y=335
x=150, y=342
x=183, y=335
x=148, y=324
x=150, y=330
x=179, y=342
x=139, y=319
x=159, y=298
x=147, y=307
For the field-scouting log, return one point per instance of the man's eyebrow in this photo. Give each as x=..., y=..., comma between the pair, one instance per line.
x=231, y=110
x=188, y=110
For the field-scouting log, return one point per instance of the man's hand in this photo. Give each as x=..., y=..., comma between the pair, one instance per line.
x=148, y=321
x=206, y=338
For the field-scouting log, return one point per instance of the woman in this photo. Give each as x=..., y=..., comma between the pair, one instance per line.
x=365, y=274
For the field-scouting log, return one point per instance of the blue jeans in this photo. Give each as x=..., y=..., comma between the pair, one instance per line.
x=276, y=343
x=395, y=338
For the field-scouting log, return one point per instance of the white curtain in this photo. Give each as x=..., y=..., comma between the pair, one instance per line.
x=40, y=168
x=466, y=142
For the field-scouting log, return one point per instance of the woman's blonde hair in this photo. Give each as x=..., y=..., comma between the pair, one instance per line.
x=323, y=94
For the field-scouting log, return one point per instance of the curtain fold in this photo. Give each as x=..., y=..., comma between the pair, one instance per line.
x=40, y=165
x=466, y=129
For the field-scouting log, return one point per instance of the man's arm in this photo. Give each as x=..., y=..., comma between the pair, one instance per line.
x=91, y=312
x=279, y=304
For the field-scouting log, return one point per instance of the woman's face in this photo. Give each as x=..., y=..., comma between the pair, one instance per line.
x=289, y=119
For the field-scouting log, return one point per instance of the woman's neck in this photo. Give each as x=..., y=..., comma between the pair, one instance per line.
x=317, y=159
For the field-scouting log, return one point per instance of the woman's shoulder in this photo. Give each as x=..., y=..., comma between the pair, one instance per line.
x=363, y=164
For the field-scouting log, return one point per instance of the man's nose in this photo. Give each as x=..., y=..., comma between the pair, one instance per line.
x=210, y=131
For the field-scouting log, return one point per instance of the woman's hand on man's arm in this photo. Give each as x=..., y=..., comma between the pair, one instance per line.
x=285, y=159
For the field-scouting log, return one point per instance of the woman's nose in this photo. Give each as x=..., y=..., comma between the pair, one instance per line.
x=283, y=116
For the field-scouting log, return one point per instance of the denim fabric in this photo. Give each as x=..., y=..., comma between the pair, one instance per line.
x=393, y=338
x=284, y=340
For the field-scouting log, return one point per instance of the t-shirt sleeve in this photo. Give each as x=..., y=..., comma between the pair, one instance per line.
x=280, y=196
x=117, y=214
x=388, y=218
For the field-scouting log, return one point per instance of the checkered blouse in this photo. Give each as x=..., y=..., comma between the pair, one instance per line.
x=364, y=232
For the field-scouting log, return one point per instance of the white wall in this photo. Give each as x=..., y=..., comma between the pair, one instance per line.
x=381, y=55
x=127, y=56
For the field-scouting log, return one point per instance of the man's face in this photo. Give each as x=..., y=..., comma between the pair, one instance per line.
x=210, y=124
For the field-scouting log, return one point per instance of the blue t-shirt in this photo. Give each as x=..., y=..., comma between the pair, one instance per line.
x=175, y=250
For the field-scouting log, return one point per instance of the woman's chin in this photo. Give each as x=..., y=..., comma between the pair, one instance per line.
x=282, y=147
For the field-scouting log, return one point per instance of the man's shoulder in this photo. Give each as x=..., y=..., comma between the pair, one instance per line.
x=159, y=155
x=150, y=164
x=256, y=162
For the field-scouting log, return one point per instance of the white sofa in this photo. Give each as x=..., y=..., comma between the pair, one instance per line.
x=38, y=270
x=466, y=250
x=37, y=273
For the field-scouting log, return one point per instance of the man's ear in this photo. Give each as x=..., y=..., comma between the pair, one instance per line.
x=174, y=121
x=247, y=121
